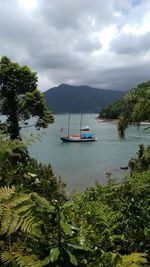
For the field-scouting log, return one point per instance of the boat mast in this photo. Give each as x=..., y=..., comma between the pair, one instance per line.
x=81, y=124
x=69, y=126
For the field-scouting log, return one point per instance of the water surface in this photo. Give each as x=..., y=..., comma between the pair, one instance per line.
x=81, y=164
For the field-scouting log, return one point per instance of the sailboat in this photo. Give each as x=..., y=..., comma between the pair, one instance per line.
x=82, y=137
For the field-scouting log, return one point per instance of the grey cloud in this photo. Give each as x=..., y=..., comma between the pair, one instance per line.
x=122, y=78
x=59, y=37
x=88, y=44
x=131, y=44
x=55, y=60
x=117, y=78
x=74, y=14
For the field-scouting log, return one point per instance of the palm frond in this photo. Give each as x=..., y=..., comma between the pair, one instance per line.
x=16, y=212
x=6, y=192
x=122, y=126
x=18, y=200
x=5, y=219
x=20, y=260
x=42, y=202
x=133, y=260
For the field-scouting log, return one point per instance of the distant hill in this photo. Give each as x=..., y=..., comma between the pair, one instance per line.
x=76, y=99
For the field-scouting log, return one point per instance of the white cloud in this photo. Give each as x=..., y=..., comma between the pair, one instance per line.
x=107, y=35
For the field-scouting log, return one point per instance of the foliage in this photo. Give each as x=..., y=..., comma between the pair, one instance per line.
x=137, y=107
x=114, y=110
x=106, y=226
x=66, y=249
x=23, y=219
x=7, y=147
x=133, y=108
x=31, y=176
x=115, y=218
x=41, y=179
x=133, y=260
x=141, y=162
x=17, y=226
x=20, y=98
x=16, y=212
x=26, y=217
x=9, y=160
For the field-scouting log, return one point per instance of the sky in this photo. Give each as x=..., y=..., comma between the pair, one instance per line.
x=100, y=43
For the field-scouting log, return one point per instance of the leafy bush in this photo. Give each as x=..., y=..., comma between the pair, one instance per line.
x=106, y=226
x=141, y=162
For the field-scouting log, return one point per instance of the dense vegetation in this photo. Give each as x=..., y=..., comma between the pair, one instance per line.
x=106, y=226
x=114, y=110
x=133, y=108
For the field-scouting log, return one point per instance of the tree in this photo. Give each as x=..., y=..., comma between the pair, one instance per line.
x=137, y=103
x=114, y=110
x=20, y=98
x=140, y=162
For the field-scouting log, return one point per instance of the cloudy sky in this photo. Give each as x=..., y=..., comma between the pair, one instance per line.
x=100, y=43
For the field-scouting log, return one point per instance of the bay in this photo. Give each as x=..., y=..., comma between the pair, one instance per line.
x=81, y=164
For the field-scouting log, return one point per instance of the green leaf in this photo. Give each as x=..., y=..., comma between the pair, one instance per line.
x=146, y=232
x=75, y=228
x=117, y=259
x=54, y=254
x=75, y=246
x=73, y=259
x=3, y=157
x=32, y=174
x=46, y=261
x=81, y=240
x=67, y=228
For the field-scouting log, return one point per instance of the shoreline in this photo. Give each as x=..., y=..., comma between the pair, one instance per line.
x=116, y=120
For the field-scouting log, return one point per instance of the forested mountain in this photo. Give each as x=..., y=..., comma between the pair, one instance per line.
x=114, y=110
x=75, y=99
x=135, y=105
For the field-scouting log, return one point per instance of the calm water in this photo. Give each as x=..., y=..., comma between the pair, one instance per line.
x=81, y=164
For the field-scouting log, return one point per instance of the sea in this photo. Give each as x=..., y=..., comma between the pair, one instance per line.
x=80, y=165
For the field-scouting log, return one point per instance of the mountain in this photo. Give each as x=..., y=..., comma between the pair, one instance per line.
x=76, y=99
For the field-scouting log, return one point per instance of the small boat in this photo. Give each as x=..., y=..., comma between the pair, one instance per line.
x=124, y=168
x=84, y=129
x=82, y=137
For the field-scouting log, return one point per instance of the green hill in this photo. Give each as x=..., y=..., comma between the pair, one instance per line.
x=135, y=102
x=76, y=99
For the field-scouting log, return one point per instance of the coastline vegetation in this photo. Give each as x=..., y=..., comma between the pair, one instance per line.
x=131, y=109
x=106, y=226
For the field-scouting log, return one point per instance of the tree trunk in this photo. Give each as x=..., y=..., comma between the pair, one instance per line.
x=13, y=118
